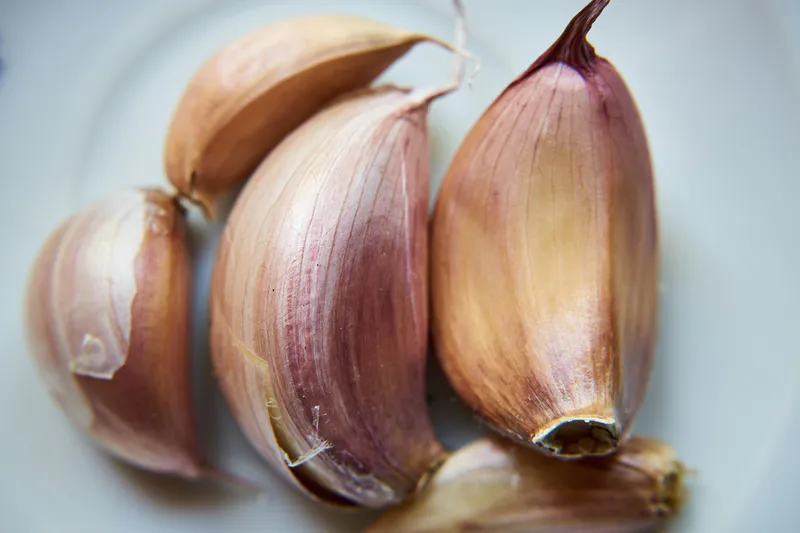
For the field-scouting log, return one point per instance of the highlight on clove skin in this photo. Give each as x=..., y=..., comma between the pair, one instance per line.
x=107, y=309
x=495, y=486
x=254, y=91
x=545, y=255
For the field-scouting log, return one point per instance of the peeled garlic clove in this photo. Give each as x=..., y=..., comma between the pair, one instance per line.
x=319, y=302
x=256, y=90
x=545, y=255
x=107, y=321
x=492, y=485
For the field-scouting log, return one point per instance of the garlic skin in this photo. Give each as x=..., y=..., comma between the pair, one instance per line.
x=545, y=255
x=253, y=92
x=107, y=322
x=319, y=318
x=494, y=486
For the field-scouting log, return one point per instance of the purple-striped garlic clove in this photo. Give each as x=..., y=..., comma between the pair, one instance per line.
x=319, y=302
x=107, y=322
x=545, y=255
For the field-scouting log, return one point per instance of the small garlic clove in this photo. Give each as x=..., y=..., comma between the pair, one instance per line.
x=545, y=255
x=492, y=485
x=107, y=322
x=257, y=89
x=319, y=319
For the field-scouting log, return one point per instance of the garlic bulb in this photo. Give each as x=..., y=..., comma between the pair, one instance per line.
x=107, y=322
x=494, y=486
x=545, y=255
x=257, y=89
x=319, y=316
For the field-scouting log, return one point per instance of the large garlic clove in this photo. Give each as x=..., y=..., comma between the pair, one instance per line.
x=319, y=314
x=107, y=321
x=545, y=255
x=256, y=90
x=492, y=485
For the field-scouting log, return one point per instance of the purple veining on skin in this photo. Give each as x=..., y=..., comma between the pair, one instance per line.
x=583, y=371
x=348, y=344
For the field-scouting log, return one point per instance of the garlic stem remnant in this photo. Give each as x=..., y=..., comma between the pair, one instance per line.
x=319, y=302
x=246, y=98
x=545, y=255
x=492, y=485
x=107, y=322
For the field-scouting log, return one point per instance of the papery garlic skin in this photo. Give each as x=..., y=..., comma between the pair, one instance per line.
x=319, y=303
x=107, y=323
x=257, y=89
x=494, y=486
x=545, y=256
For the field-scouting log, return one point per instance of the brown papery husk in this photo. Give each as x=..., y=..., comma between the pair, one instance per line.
x=255, y=90
x=107, y=322
x=319, y=302
x=493, y=485
x=545, y=255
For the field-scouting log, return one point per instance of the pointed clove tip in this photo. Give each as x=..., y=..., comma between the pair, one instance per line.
x=572, y=47
x=584, y=20
x=578, y=437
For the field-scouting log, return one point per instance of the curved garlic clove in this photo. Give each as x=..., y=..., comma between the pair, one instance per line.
x=107, y=321
x=319, y=314
x=256, y=90
x=545, y=255
x=492, y=485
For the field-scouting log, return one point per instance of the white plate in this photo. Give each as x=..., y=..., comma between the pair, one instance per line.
x=86, y=91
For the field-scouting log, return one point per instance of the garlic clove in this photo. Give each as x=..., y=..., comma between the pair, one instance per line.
x=319, y=302
x=492, y=485
x=257, y=89
x=107, y=322
x=545, y=255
